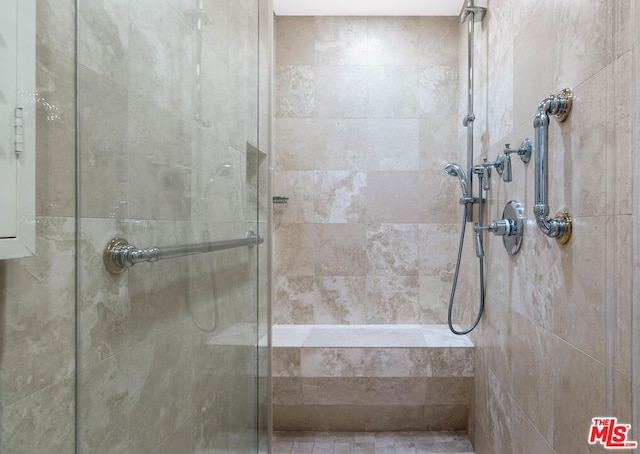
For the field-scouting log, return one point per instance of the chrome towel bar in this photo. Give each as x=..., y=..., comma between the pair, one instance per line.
x=119, y=254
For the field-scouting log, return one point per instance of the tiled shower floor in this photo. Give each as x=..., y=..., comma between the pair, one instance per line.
x=371, y=443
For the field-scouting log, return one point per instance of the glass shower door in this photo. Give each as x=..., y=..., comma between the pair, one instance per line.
x=172, y=355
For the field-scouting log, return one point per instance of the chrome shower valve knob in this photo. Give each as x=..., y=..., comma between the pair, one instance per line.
x=499, y=227
x=503, y=227
x=524, y=150
x=503, y=167
x=503, y=161
x=510, y=227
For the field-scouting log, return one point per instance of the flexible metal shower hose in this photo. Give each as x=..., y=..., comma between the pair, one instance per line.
x=455, y=284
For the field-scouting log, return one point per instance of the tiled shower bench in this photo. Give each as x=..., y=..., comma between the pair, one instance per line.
x=371, y=378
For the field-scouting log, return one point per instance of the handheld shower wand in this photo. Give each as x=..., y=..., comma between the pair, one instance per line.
x=467, y=198
x=456, y=171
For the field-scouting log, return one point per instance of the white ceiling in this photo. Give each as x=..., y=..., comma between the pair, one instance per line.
x=367, y=7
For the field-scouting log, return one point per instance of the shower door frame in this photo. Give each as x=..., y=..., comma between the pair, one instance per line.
x=635, y=331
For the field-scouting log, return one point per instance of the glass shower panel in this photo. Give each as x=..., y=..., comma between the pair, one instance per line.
x=173, y=114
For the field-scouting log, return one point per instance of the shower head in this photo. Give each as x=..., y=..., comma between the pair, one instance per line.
x=456, y=171
x=453, y=169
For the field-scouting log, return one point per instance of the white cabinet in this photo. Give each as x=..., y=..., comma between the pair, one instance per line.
x=17, y=128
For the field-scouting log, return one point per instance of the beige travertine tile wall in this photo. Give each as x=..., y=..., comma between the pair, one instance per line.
x=365, y=121
x=554, y=347
x=37, y=302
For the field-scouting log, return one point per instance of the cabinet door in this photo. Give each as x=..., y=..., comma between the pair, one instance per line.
x=17, y=128
x=8, y=98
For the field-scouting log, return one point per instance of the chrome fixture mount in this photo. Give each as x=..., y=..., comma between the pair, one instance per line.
x=510, y=227
x=470, y=11
x=469, y=118
x=119, y=255
x=559, y=106
x=503, y=161
x=503, y=167
x=524, y=150
x=484, y=170
x=514, y=212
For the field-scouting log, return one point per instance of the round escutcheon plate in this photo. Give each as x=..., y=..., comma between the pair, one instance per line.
x=514, y=211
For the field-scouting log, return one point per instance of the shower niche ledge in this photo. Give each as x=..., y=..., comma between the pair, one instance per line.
x=371, y=378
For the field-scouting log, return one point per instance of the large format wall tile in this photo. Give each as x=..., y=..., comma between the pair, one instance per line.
x=438, y=41
x=532, y=370
x=295, y=41
x=41, y=422
x=391, y=299
x=340, y=91
x=393, y=41
x=160, y=186
x=350, y=418
x=339, y=299
x=394, y=196
x=295, y=245
x=393, y=249
x=179, y=441
x=55, y=133
x=160, y=57
x=299, y=188
x=392, y=144
x=103, y=38
x=620, y=174
x=531, y=87
x=38, y=341
x=295, y=92
x=55, y=27
x=161, y=386
x=294, y=300
x=338, y=249
x=103, y=139
x=574, y=63
x=356, y=391
x=339, y=40
x=339, y=196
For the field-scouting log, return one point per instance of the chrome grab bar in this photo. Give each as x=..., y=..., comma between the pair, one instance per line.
x=119, y=255
x=558, y=105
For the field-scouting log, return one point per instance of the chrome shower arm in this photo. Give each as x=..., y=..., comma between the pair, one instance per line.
x=558, y=105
